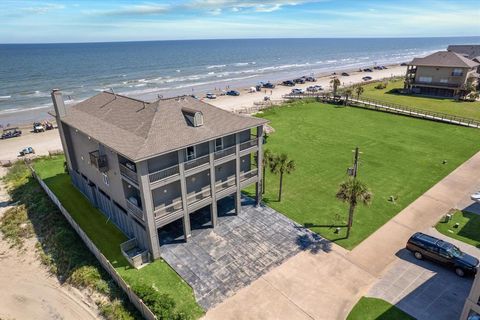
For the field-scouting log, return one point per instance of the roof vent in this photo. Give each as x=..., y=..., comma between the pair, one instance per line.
x=193, y=117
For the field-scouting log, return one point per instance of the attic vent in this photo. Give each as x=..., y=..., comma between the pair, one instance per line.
x=193, y=117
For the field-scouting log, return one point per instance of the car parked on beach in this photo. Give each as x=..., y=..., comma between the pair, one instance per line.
x=38, y=127
x=211, y=96
x=345, y=74
x=314, y=88
x=233, y=93
x=310, y=79
x=299, y=80
x=367, y=78
x=442, y=252
x=367, y=70
x=298, y=91
x=268, y=85
x=25, y=151
x=403, y=64
x=11, y=133
x=288, y=83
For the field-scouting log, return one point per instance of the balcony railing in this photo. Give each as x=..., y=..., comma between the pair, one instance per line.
x=134, y=209
x=250, y=174
x=205, y=193
x=128, y=173
x=224, y=152
x=171, y=208
x=438, y=84
x=99, y=161
x=164, y=173
x=197, y=162
x=249, y=144
x=222, y=185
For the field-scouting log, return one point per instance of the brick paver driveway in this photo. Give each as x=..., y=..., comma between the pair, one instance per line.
x=218, y=262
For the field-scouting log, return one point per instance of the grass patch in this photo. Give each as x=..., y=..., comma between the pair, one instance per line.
x=467, y=231
x=107, y=237
x=58, y=247
x=376, y=309
x=401, y=157
x=444, y=105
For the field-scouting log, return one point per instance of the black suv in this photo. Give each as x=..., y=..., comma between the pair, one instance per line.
x=425, y=246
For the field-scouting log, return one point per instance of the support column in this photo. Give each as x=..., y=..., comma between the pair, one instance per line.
x=213, y=207
x=238, y=194
x=148, y=210
x=259, y=184
x=183, y=185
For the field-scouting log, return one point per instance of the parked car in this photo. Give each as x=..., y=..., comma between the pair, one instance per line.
x=367, y=78
x=211, y=96
x=299, y=80
x=11, y=133
x=37, y=127
x=368, y=70
x=268, y=85
x=312, y=88
x=403, y=64
x=298, y=91
x=233, y=93
x=288, y=83
x=48, y=125
x=345, y=74
x=25, y=151
x=428, y=247
x=310, y=79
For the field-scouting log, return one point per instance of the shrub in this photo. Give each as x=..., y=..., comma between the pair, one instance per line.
x=115, y=311
x=88, y=276
x=381, y=85
x=162, y=305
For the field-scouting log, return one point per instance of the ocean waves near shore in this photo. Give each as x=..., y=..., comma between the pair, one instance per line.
x=149, y=69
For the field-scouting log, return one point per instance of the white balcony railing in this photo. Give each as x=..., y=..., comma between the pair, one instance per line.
x=197, y=162
x=134, y=209
x=164, y=173
x=224, y=152
x=249, y=144
x=222, y=185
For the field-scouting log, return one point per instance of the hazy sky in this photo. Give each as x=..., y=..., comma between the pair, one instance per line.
x=115, y=20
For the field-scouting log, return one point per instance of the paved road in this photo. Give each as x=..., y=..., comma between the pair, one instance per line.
x=327, y=285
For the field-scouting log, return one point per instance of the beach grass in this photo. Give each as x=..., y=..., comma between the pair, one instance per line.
x=444, y=105
x=376, y=309
x=400, y=159
x=467, y=230
x=107, y=237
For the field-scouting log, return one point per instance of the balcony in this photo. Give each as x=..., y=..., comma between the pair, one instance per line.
x=134, y=209
x=203, y=194
x=224, y=152
x=249, y=144
x=99, y=161
x=197, y=162
x=166, y=214
x=128, y=173
x=437, y=84
x=250, y=174
x=222, y=185
x=163, y=174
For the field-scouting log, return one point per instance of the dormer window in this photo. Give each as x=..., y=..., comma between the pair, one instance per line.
x=194, y=118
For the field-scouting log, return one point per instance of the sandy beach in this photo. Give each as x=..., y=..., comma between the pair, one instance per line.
x=45, y=142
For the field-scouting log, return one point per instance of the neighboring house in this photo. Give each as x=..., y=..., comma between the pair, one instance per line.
x=147, y=165
x=470, y=51
x=443, y=73
x=471, y=309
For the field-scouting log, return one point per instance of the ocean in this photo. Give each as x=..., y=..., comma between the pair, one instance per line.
x=150, y=69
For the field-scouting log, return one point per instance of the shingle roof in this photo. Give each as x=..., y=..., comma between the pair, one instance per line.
x=139, y=130
x=444, y=59
x=469, y=50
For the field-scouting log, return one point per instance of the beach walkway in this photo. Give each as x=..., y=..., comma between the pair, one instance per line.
x=327, y=285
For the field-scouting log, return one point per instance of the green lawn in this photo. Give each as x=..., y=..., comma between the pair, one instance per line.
x=108, y=238
x=467, y=231
x=449, y=106
x=401, y=157
x=376, y=309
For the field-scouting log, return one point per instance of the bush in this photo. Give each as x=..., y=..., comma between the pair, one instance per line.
x=162, y=305
x=381, y=85
x=88, y=276
x=115, y=311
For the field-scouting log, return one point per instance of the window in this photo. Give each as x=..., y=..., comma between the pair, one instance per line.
x=190, y=151
x=218, y=144
x=105, y=179
x=425, y=79
x=443, y=80
x=457, y=72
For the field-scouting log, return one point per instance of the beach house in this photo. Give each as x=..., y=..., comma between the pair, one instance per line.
x=150, y=165
x=443, y=74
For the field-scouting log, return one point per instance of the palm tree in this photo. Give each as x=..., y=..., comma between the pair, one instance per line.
x=359, y=90
x=281, y=164
x=348, y=93
x=266, y=162
x=353, y=192
x=335, y=84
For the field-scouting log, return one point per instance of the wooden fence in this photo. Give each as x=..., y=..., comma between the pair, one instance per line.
x=134, y=299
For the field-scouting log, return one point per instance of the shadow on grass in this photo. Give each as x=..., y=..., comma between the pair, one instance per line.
x=398, y=92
